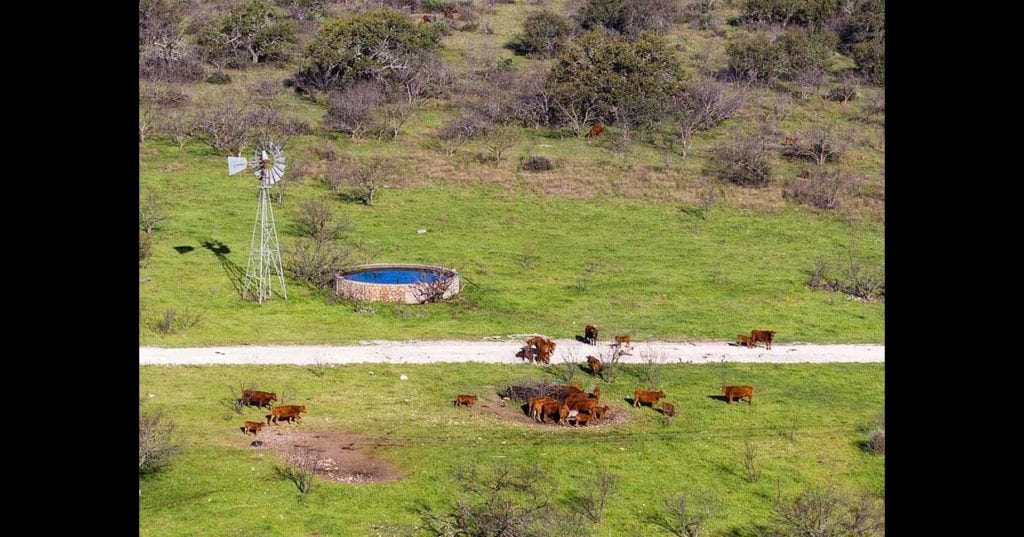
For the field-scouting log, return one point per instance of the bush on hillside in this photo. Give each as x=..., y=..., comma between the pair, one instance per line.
x=543, y=35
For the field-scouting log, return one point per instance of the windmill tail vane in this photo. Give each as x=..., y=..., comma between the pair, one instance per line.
x=264, y=265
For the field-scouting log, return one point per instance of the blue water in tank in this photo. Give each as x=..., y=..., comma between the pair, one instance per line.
x=396, y=276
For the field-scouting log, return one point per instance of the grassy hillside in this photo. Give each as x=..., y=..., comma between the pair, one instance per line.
x=608, y=236
x=806, y=422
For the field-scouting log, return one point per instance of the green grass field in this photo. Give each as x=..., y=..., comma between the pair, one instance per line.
x=534, y=264
x=219, y=486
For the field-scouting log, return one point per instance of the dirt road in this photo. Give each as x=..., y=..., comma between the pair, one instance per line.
x=423, y=352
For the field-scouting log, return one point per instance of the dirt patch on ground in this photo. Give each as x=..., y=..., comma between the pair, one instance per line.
x=347, y=457
x=516, y=412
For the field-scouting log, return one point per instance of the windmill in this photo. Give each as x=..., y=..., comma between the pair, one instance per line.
x=264, y=251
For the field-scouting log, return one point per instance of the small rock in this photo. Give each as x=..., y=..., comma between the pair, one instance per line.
x=403, y=377
x=420, y=231
x=152, y=395
x=256, y=443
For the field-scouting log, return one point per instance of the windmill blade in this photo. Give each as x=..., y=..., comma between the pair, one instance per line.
x=236, y=164
x=274, y=174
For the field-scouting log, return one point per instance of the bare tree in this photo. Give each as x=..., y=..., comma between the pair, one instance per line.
x=580, y=113
x=649, y=369
x=499, y=140
x=460, y=130
x=370, y=176
x=503, y=500
x=828, y=512
x=225, y=127
x=708, y=195
x=806, y=83
x=704, y=105
x=152, y=211
x=822, y=188
x=779, y=109
x=316, y=262
x=678, y=516
x=592, y=501
x=156, y=442
x=179, y=126
x=751, y=464
x=699, y=13
x=351, y=110
x=394, y=114
x=145, y=124
x=744, y=161
x=315, y=220
x=433, y=290
x=303, y=464
x=819, y=146
x=844, y=92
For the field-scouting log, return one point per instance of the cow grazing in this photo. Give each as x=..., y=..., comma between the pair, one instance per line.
x=590, y=334
x=595, y=131
x=644, y=397
x=582, y=418
x=623, y=340
x=551, y=409
x=464, y=400
x=537, y=404
x=669, y=409
x=252, y=427
x=288, y=413
x=737, y=393
x=601, y=411
x=762, y=335
x=742, y=340
x=526, y=353
x=594, y=364
x=257, y=398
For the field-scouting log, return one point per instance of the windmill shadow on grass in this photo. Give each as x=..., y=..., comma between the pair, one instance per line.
x=233, y=271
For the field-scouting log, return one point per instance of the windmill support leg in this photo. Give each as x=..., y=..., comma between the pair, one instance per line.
x=265, y=256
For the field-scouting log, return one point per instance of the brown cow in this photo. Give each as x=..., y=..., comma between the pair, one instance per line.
x=601, y=411
x=762, y=335
x=590, y=334
x=594, y=364
x=550, y=409
x=644, y=397
x=595, y=131
x=742, y=340
x=286, y=412
x=252, y=427
x=537, y=404
x=596, y=394
x=257, y=398
x=467, y=400
x=545, y=348
x=669, y=409
x=582, y=419
x=737, y=393
x=623, y=340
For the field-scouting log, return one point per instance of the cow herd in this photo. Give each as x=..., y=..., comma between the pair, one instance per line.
x=259, y=399
x=564, y=405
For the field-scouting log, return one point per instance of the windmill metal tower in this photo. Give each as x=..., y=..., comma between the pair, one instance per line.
x=264, y=250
